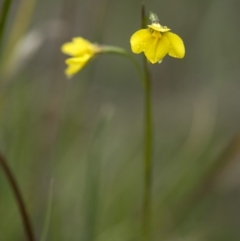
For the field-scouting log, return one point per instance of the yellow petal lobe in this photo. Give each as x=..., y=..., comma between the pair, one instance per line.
x=157, y=50
x=72, y=69
x=76, y=64
x=140, y=40
x=78, y=46
x=177, y=48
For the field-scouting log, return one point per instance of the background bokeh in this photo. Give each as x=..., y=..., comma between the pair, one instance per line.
x=79, y=142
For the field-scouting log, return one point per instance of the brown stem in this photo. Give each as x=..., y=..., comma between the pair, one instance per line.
x=18, y=196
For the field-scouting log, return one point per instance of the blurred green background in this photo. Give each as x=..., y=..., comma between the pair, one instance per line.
x=85, y=135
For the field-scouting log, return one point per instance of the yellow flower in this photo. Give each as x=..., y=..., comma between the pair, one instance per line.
x=81, y=51
x=156, y=42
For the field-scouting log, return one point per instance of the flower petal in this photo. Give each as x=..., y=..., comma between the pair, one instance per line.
x=177, y=48
x=157, y=50
x=72, y=70
x=140, y=40
x=76, y=64
x=77, y=47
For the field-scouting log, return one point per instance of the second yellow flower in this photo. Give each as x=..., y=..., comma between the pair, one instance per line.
x=156, y=42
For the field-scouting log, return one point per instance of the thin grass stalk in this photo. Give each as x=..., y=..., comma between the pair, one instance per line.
x=19, y=199
x=3, y=19
x=93, y=174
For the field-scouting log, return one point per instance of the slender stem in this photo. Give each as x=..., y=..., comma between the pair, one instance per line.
x=123, y=52
x=146, y=215
x=4, y=14
x=148, y=161
x=10, y=177
x=18, y=196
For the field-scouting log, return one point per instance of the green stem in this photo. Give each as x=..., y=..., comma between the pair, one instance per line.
x=146, y=218
x=18, y=196
x=123, y=52
x=4, y=14
x=148, y=159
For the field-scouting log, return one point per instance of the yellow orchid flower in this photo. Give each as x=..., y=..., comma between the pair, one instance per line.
x=81, y=51
x=156, y=42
